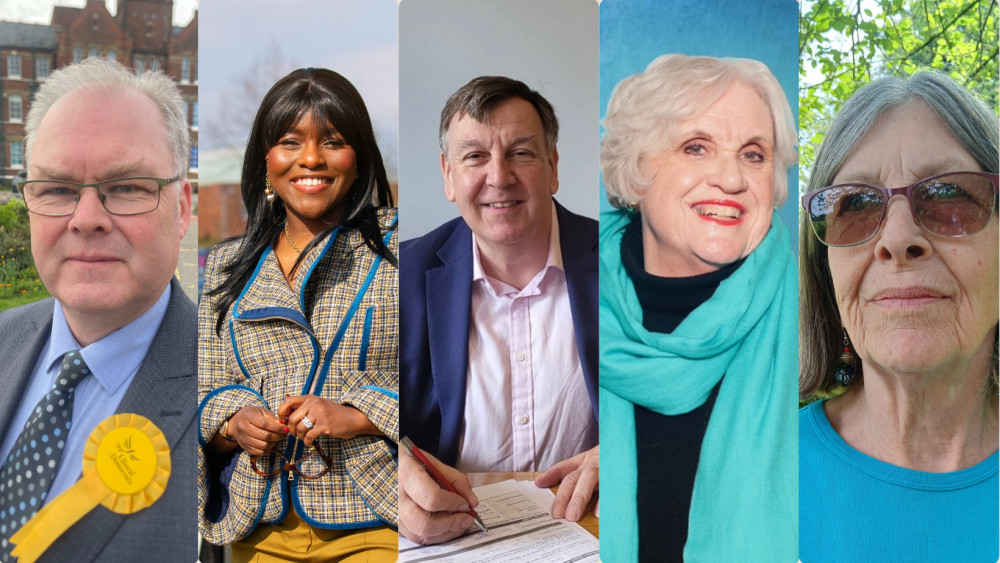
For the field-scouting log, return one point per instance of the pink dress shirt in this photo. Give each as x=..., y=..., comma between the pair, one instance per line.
x=526, y=404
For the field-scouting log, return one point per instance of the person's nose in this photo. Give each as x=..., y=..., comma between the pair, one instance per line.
x=727, y=174
x=901, y=239
x=311, y=156
x=499, y=173
x=90, y=215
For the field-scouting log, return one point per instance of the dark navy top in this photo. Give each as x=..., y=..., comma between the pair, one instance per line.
x=667, y=447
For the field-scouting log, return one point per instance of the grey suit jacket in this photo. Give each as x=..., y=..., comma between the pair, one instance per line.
x=165, y=391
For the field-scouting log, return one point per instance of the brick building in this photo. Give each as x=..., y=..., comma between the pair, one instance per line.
x=141, y=35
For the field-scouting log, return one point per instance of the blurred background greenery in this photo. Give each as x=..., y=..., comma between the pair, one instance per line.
x=844, y=44
x=19, y=283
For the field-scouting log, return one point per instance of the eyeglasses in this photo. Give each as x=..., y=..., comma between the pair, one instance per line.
x=313, y=465
x=956, y=204
x=121, y=196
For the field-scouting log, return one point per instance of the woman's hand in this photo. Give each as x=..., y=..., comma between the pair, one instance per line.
x=255, y=429
x=326, y=416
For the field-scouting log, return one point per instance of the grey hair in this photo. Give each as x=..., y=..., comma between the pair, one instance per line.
x=975, y=126
x=968, y=118
x=646, y=107
x=112, y=77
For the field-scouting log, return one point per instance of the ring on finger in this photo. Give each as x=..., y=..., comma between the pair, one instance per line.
x=307, y=423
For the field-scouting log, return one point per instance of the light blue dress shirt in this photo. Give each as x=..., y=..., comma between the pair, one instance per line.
x=113, y=362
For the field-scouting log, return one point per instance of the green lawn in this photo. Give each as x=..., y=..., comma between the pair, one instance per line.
x=23, y=299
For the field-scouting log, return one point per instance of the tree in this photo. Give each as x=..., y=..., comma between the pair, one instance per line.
x=844, y=44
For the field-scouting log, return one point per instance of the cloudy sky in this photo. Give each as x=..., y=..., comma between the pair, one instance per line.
x=40, y=11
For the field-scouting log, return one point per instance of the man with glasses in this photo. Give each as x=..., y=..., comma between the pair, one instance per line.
x=108, y=203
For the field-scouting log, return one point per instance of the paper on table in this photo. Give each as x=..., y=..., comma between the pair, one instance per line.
x=520, y=531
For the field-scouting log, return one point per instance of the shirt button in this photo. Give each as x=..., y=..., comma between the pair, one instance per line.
x=522, y=420
x=520, y=356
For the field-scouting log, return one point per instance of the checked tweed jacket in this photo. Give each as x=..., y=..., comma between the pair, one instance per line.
x=276, y=341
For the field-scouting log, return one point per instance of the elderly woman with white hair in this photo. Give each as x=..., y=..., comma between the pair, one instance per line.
x=698, y=316
x=899, y=460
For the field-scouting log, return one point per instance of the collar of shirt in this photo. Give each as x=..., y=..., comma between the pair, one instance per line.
x=553, y=265
x=114, y=359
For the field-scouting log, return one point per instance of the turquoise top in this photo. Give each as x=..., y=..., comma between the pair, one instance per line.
x=743, y=503
x=853, y=507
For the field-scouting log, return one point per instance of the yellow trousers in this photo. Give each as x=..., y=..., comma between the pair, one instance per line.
x=294, y=540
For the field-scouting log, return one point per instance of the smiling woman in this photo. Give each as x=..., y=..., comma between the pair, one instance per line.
x=711, y=194
x=298, y=373
x=697, y=376
x=311, y=170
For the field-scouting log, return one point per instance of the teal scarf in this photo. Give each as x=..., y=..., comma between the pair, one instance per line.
x=745, y=501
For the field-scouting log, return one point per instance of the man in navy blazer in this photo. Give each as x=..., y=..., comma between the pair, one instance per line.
x=457, y=350
x=108, y=204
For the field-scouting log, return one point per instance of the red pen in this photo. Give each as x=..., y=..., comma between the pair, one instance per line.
x=438, y=477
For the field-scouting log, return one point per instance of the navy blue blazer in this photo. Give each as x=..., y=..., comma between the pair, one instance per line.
x=435, y=300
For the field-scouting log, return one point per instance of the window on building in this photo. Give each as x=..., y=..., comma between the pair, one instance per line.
x=94, y=54
x=194, y=115
x=15, y=109
x=112, y=55
x=17, y=154
x=140, y=66
x=14, y=66
x=42, y=68
x=77, y=54
x=154, y=64
x=194, y=157
x=186, y=69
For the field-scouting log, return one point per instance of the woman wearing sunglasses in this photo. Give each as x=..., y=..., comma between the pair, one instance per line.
x=899, y=325
x=298, y=374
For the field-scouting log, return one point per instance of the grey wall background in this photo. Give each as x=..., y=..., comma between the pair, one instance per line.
x=550, y=45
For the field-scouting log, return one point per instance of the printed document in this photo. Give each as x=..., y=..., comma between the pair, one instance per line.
x=516, y=513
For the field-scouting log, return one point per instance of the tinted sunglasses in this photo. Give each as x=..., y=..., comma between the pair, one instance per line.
x=955, y=204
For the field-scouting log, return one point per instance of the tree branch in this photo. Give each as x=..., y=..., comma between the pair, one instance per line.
x=943, y=29
x=982, y=65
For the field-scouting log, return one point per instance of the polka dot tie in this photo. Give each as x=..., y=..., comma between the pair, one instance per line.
x=29, y=468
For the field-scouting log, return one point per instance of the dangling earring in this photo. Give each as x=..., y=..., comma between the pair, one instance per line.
x=268, y=190
x=845, y=371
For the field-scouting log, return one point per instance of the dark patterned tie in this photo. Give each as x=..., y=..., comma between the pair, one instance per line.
x=31, y=464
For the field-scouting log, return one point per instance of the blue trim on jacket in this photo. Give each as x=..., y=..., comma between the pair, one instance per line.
x=295, y=447
x=215, y=392
x=386, y=392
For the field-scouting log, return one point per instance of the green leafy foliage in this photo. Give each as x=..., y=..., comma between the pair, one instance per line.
x=19, y=281
x=844, y=44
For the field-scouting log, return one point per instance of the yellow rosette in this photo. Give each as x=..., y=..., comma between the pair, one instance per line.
x=126, y=466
